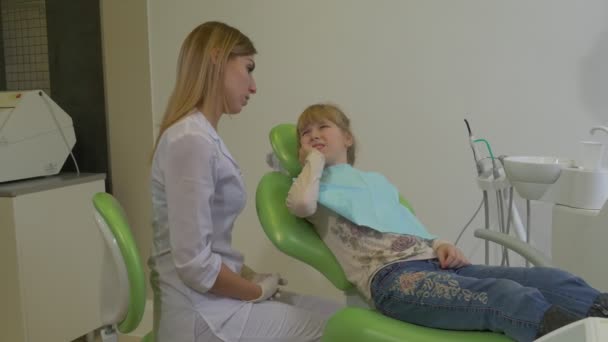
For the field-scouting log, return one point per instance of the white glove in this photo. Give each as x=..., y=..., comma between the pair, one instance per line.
x=269, y=285
x=258, y=277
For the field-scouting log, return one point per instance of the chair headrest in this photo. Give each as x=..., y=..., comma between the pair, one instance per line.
x=284, y=142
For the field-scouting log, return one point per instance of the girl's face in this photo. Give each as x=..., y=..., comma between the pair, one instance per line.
x=329, y=139
x=239, y=83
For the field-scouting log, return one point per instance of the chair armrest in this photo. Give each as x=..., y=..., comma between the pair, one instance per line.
x=533, y=255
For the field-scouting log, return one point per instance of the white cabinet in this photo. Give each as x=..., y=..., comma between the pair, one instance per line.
x=51, y=256
x=579, y=239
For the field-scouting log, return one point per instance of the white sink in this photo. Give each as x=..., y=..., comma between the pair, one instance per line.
x=531, y=176
x=529, y=169
x=558, y=181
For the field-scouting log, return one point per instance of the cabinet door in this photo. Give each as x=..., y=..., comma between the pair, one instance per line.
x=60, y=253
x=11, y=314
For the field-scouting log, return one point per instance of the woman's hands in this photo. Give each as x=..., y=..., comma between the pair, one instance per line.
x=268, y=283
x=450, y=256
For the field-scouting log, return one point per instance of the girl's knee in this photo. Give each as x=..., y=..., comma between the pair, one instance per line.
x=556, y=276
x=512, y=291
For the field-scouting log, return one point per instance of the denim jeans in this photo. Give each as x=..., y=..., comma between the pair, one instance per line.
x=510, y=300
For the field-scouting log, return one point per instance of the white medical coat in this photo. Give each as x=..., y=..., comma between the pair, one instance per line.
x=197, y=193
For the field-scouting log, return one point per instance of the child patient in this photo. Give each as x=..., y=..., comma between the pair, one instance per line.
x=406, y=272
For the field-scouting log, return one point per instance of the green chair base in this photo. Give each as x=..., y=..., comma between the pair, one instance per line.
x=363, y=325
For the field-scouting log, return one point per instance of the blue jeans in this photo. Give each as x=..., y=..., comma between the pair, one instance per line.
x=510, y=300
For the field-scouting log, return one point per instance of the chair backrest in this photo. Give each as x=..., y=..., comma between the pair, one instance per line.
x=110, y=216
x=294, y=236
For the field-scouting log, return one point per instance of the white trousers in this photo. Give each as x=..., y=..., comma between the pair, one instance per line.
x=290, y=318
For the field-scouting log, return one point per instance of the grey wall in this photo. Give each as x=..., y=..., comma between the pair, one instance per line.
x=2, y=64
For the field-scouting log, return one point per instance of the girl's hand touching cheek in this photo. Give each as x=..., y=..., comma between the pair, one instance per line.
x=303, y=153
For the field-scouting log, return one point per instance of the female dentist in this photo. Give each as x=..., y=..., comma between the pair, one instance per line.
x=203, y=291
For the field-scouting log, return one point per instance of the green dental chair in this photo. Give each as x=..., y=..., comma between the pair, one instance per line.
x=297, y=238
x=125, y=292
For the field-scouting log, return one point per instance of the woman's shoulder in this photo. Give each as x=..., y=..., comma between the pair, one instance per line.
x=192, y=127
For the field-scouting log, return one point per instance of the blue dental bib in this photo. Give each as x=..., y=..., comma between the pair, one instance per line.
x=367, y=199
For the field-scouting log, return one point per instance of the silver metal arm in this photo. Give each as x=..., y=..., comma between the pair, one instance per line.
x=533, y=255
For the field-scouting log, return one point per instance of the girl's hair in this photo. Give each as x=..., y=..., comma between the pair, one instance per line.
x=200, y=69
x=323, y=111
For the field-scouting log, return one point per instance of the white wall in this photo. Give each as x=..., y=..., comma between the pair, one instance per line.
x=529, y=75
x=128, y=105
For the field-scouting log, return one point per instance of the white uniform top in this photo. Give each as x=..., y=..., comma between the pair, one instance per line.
x=197, y=193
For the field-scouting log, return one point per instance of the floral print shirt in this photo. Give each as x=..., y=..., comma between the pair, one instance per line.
x=362, y=251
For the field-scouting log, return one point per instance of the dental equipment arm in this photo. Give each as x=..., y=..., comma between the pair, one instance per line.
x=533, y=255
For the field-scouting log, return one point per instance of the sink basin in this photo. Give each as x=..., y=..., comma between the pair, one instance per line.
x=531, y=176
x=530, y=169
x=558, y=181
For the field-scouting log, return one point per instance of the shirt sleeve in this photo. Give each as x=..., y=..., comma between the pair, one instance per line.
x=304, y=192
x=190, y=185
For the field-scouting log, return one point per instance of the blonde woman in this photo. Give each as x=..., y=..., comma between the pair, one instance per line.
x=203, y=291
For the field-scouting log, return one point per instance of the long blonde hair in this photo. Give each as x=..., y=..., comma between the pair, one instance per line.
x=200, y=70
x=325, y=111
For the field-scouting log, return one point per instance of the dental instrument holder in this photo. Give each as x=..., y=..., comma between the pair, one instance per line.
x=492, y=178
x=487, y=180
